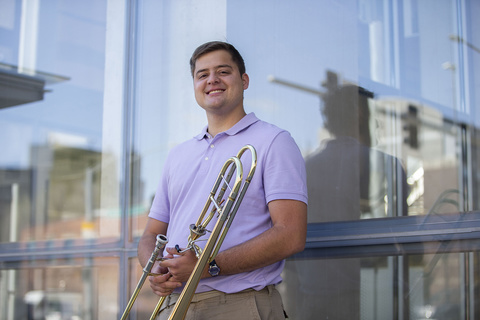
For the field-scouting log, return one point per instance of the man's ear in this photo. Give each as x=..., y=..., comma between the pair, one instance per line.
x=246, y=81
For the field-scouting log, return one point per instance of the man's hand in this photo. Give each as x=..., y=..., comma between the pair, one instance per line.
x=181, y=265
x=163, y=284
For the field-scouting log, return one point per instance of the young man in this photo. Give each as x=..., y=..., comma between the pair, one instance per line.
x=271, y=222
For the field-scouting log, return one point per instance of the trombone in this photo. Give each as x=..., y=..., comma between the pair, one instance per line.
x=216, y=205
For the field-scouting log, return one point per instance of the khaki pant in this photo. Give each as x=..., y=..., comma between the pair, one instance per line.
x=249, y=304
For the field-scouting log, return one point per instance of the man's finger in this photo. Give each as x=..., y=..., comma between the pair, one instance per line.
x=176, y=250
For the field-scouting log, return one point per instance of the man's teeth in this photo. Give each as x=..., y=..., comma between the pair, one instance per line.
x=215, y=91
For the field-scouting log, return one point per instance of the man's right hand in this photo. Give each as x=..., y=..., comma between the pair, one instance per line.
x=162, y=285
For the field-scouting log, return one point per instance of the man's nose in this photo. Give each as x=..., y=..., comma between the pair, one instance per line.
x=213, y=78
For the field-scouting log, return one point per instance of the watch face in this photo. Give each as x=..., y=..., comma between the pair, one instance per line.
x=214, y=270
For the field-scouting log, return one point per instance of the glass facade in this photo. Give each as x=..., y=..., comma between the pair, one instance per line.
x=381, y=97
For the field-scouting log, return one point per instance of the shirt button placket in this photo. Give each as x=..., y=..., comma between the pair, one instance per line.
x=208, y=151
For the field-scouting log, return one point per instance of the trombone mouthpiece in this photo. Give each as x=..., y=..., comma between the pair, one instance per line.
x=161, y=240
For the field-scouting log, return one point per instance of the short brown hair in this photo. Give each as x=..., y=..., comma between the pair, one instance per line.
x=214, y=46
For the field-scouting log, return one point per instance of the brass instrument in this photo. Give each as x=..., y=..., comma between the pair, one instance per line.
x=225, y=210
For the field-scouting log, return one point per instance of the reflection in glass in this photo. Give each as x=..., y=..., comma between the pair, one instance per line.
x=426, y=141
x=347, y=178
x=430, y=286
x=381, y=158
x=59, y=171
x=70, y=289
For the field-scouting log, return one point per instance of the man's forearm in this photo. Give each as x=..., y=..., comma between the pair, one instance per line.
x=270, y=247
x=148, y=239
x=146, y=246
x=286, y=237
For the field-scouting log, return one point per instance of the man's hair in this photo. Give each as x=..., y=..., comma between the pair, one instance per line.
x=215, y=46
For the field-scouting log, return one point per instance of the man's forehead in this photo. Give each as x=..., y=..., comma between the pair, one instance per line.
x=215, y=59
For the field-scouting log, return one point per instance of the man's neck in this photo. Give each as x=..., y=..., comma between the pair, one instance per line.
x=220, y=123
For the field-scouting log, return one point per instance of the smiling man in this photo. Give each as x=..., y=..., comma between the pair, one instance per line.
x=270, y=224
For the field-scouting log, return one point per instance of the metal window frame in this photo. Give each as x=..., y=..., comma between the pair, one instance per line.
x=435, y=233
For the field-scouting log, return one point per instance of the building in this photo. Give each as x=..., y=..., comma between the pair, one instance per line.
x=381, y=97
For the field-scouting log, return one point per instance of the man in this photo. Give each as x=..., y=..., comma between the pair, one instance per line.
x=271, y=222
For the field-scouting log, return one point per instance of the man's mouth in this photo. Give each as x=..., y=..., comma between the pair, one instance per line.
x=215, y=91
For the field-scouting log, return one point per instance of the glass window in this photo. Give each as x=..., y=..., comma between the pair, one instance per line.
x=61, y=105
x=373, y=113
x=378, y=96
x=76, y=288
x=429, y=286
x=379, y=121
x=381, y=97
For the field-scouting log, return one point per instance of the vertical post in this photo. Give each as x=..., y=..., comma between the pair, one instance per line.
x=12, y=238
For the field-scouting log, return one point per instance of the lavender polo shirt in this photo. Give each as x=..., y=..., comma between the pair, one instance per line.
x=191, y=169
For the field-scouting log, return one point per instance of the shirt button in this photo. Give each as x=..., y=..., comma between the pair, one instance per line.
x=212, y=146
x=206, y=158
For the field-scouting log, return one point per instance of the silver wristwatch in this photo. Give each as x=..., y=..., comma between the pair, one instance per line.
x=213, y=269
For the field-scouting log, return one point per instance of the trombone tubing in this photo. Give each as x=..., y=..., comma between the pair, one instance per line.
x=219, y=232
x=159, y=245
x=214, y=242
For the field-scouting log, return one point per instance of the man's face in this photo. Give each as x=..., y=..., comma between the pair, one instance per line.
x=218, y=84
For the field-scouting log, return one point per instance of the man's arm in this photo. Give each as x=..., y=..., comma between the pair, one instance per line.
x=148, y=239
x=286, y=237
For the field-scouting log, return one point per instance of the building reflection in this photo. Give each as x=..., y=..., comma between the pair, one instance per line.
x=351, y=177
x=55, y=207
x=59, y=196
x=347, y=180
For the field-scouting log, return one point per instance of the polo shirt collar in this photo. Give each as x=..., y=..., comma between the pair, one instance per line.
x=244, y=123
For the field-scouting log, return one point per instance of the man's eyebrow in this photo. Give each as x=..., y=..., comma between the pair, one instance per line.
x=224, y=66
x=216, y=67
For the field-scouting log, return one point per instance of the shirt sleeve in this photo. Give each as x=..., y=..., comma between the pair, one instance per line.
x=285, y=174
